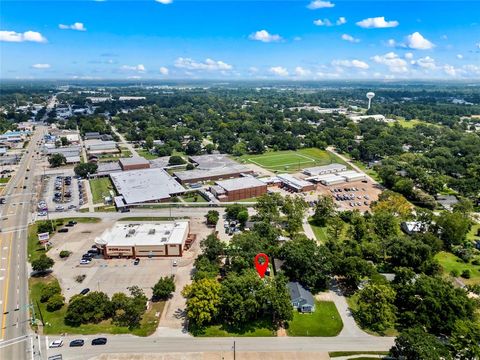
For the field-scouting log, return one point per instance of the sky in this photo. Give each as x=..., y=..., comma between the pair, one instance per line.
x=297, y=40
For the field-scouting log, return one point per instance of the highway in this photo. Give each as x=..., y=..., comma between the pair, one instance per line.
x=15, y=216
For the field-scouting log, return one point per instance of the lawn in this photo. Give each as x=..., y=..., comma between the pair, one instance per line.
x=325, y=321
x=320, y=232
x=193, y=197
x=450, y=262
x=146, y=154
x=411, y=123
x=55, y=325
x=100, y=188
x=4, y=180
x=258, y=329
x=291, y=161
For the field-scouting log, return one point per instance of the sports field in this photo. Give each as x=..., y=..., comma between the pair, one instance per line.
x=291, y=161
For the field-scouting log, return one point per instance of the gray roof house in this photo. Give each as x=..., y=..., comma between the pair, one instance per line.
x=301, y=298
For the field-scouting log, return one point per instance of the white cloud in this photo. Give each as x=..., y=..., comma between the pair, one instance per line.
x=134, y=77
x=391, y=43
x=478, y=45
x=41, y=66
x=341, y=20
x=392, y=61
x=279, y=71
x=358, y=64
x=350, y=38
x=139, y=68
x=459, y=56
x=297, y=38
x=164, y=2
x=265, y=36
x=417, y=41
x=425, y=63
x=409, y=56
x=319, y=4
x=253, y=69
x=75, y=26
x=207, y=65
x=377, y=22
x=164, y=70
x=12, y=36
x=324, y=22
x=300, y=71
x=450, y=70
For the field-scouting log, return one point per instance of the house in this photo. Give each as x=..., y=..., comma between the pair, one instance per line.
x=301, y=298
x=447, y=201
x=413, y=227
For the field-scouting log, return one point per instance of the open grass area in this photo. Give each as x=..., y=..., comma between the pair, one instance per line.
x=100, y=188
x=4, y=180
x=193, y=197
x=291, y=161
x=325, y=321
x=449, y=262
x=54, y=323
x=146, y=154
x=320, y=232
x=257, y=329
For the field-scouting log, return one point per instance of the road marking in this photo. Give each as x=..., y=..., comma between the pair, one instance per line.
x=5, y=292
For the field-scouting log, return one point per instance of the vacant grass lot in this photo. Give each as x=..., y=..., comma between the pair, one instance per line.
x=291, y=161
x=55, y=324
x=146, y=154
x=320, y=232
x=258, y=329
x=100, y=188
x=450, y=262
x=325, y=321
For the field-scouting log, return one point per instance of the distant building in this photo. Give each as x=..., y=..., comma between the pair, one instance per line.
x=358, y=118
x=413, y=227
x=295, y=184
x=238, y=189
x=161, y=239
x=447, y=201
x=98, y=147
x=302, y=299
x=146, y=185
x=92, y=135
x=323, y=170
x=134, y=163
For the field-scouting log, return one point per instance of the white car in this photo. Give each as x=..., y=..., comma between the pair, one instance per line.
x=56, y=343
x=84, y=262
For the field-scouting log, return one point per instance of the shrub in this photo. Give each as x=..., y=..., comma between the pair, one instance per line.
x=80, y=278
x=163, y=289
x=49, y=290
x=466, y=274
x=55, y=303
x=476, y=262
x=65, y=254
x=454, y=273
x=190, y=166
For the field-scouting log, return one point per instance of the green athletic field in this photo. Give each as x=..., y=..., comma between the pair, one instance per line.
x=291, y=161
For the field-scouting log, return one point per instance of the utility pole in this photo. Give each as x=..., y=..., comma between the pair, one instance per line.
x=234, y=350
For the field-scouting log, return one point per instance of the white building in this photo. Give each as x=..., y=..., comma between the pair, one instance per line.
x=325, y=169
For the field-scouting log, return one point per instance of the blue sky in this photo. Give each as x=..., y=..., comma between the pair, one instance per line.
x=311, y=40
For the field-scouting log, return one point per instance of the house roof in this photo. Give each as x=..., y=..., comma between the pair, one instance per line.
x=298, y=292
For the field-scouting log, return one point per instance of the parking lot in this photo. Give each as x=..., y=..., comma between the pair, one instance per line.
x=352, y=195
x=61, y=193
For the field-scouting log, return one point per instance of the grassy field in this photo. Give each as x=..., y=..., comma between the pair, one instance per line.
x=55, y=324
x=193, y=197
x=325, y=321
x=450, y=262
x=100, y=188
x=258, y=329
x=291, y=161
x=320, y=232
x=146, y=154
x=412, y=123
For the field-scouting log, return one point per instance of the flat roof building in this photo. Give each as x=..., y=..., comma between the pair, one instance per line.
x=352, y=175
x=196, y=175
x=238, y=189
x=158, y=239
x=134, y=163
x=330, y=179
x=212, y=161
x=296, y=184
x=323, y=170
x=96, y=146
x=146, y=185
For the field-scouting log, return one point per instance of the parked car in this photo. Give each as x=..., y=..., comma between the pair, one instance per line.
x=56, y=343
x=85, y=261
x=99, y=341
x=85, y=291
x=63, y=230
x=136, y=262
x=77, y=342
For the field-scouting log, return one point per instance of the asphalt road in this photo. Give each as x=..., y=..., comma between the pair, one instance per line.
x=125, y=344
x=15, y=216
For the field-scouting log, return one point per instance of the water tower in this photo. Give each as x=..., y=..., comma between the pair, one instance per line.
x=370, y=96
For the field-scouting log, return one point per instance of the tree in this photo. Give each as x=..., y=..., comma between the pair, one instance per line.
x=209, y=148
x=56, y=160
x=294, y=210
x=324, y=210
x=212, y=217
x=353, y=269
x=409, y=252
x=394, y=204
x=49, y=290
x=203, y=301
x=275, y=300
x=91, y=308
x=193, y=148
x=83, y=169
x=242, y=217
x=128, y=310
x=212, y=247
x=205, y=268
x=453, y=227
x=64, y=254
x=417, y=344
x=376, y=309
x=335, y=226
x=55, y=303
x=163, y=289
x=385, y=224
x=176, y=160
x=306, y=262
x=42, y=264
x=233, y=210
x=465, y=340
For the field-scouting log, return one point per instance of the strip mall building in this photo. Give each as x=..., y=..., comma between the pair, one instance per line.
x=159, y=239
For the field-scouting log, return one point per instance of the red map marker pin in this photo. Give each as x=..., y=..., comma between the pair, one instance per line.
x=261, y=268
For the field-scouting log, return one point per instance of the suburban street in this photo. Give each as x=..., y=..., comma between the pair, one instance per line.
x=16, y=214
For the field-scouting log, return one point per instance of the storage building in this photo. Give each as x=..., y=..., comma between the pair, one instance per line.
x=295, y=184
x=351, y=176
x=323, y=170
x=134, y=163
x=238, y=189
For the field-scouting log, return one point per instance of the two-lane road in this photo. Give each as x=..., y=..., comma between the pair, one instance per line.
x=15, y=216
